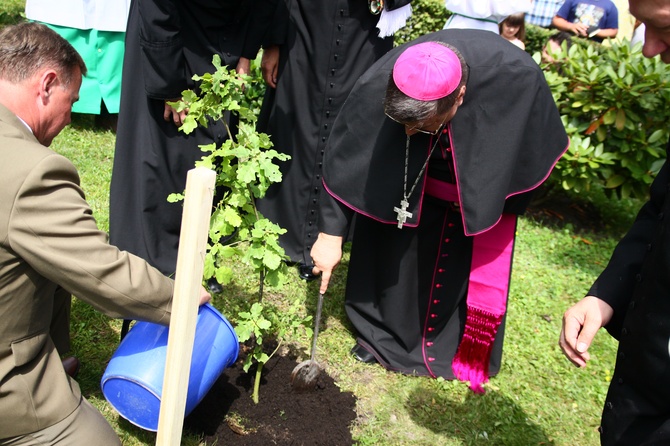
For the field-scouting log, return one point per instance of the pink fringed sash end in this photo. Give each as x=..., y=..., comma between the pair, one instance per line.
x=471, y=362
x=486, y=301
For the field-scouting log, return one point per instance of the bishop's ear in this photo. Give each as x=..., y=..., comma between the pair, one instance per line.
x=461, y=94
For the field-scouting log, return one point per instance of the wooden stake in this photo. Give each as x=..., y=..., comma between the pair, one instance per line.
x=188, y=280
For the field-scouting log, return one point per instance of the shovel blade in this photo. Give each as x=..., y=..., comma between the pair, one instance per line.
x=305, y=376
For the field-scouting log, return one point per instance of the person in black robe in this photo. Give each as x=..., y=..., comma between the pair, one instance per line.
x=631, y=297
x=316, y=51
x=167, y=42
x=436, y=183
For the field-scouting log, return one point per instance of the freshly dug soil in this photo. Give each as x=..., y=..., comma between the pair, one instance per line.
x=228, y=415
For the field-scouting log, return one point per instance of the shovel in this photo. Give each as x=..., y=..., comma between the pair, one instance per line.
x=305, y=374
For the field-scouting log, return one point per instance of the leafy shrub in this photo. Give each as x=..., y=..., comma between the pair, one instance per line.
x=427, y=16
x=12, y=12
x=245, y=168
x=615, y=107
x=536, y=38
x=613, y=101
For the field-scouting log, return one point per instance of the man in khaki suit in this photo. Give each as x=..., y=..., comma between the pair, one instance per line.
x=49, y=242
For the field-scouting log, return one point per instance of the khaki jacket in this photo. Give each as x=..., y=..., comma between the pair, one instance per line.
x=48, y=237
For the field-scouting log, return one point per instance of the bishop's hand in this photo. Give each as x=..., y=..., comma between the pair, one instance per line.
x=326, y=254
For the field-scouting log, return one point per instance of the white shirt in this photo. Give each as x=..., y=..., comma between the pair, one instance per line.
x=103, y=15
x=482, y=14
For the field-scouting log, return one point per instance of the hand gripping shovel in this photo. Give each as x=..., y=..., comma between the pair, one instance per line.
x=305, y=374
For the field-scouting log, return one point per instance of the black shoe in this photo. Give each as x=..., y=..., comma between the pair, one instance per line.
x=71, y=366
x=362, y=355
x=305, y=272
x=213, y=286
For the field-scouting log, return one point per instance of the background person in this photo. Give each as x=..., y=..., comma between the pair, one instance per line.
x=542, y=12
x=436, y=157
x=340, y=39
x=593, y=19
x=630, y=298
x=96, y=29
x=49, y=242
x=482, y=14
x=554, y=44
x=513, y=28
x=168, y=41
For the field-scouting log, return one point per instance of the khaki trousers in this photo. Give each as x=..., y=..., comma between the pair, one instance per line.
x=84, y=426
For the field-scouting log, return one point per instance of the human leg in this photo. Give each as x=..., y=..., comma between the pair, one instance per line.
x=85, y=425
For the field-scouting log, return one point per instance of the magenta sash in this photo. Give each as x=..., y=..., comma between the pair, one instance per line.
x=487, y=291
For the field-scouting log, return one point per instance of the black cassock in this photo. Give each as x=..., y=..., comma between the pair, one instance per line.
x=325, y=45
x=167, y=42
x=636, y=284
x=406, y=288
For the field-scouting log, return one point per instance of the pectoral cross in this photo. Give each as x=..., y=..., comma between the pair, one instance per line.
x=402, y=213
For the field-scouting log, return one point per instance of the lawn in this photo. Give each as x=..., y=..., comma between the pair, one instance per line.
x=538, y=398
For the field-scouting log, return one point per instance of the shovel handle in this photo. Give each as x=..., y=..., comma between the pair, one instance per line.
x=317, y=319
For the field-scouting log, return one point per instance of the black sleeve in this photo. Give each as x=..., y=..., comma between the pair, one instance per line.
x=162, y=47
x=264, y=22
x=334, y=217
x=615, y=284
x=276, y=23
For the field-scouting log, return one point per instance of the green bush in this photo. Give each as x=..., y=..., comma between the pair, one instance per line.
x=430, y=15
x=536, y=37
x=615, y=105
x=12, y=12
x=427, y=16
x=613, y=101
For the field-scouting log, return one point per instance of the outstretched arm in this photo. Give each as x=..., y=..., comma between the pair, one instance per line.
x=334, y=221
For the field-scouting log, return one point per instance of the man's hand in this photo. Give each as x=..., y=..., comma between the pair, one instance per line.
x=270, y=65
x=204, y=295
x=580, y=29
x=326, y=254
x=243, y=66
x=171, y=114
x=581, y=322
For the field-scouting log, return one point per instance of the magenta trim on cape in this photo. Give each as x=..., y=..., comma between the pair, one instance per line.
x=535, y=186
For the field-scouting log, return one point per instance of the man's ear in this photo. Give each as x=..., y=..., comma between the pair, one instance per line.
x=48, y=82
x=461, y=94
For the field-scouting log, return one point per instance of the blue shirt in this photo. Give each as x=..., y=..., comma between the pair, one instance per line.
x=543, y=11
x=600, y=14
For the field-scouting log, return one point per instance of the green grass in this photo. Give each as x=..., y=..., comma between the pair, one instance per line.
x=11, y=11
x=538, y=398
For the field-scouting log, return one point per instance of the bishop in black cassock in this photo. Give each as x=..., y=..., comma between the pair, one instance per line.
x=427, y=295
